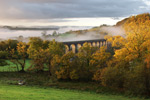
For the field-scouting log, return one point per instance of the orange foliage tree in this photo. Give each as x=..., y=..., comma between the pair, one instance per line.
x=131, y=61
x=135, y=47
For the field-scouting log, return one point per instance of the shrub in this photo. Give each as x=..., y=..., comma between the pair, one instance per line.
x=138, y=80
x=113, y=77
x=97, y=75
x=74, y=75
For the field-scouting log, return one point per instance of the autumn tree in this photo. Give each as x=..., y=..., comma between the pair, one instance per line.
x=8, y=45
x=135, y=46
x=133, y=54
x=67, y=67
x=99, y=61
x=76, y=66
x=37, y=52
x=18, y=57
x=42, y=52
x=85, y=53
x=54, y=49
x=11, y=44
x=84, y=56
x=3, y=46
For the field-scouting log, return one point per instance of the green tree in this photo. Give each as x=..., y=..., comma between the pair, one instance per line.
x=54, y=33
x=3, y=55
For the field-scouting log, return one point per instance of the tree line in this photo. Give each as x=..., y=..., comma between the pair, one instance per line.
x=126, y=68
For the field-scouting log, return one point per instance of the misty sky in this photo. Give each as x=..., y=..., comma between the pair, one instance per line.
x=69, y=12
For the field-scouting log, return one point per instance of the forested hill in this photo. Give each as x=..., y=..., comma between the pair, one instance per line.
x=117, y=29
x=141, y=17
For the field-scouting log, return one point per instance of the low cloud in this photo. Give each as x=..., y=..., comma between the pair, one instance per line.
x=114, y=30
x=79, y=37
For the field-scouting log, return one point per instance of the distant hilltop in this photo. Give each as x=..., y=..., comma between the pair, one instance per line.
x=141, y=17
x=30, y=28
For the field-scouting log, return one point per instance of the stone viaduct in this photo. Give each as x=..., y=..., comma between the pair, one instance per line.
x=75, y=45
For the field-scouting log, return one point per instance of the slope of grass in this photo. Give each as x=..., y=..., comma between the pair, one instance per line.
x=15, y=92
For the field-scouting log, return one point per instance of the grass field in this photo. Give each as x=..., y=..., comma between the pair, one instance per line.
x=12, y=67
x=15, y=92
x=39, y=87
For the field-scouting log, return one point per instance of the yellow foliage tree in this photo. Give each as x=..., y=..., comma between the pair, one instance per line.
x=67, y=67
x=84, y=57
x=135, y=47
x=19, y=56
x=42, y=52
x=130, y=66
x=37, y=52
x=100, y=57
x=98, y=62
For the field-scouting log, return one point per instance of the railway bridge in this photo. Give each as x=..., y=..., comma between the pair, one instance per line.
x=75, y=45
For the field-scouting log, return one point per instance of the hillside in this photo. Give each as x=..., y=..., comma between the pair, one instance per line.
x=141, y=17
x=118, y=29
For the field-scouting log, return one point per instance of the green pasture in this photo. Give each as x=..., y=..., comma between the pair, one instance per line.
x=16, y=92
x=11, y=67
